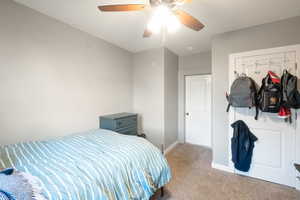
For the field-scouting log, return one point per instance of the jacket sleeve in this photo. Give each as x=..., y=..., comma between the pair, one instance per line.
x=253, y=138
x=234, y=144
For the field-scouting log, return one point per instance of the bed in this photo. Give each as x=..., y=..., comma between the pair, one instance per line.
x=96, y=165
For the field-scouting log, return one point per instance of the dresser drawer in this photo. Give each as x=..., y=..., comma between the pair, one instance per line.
x=126, y=122
x=128, y=131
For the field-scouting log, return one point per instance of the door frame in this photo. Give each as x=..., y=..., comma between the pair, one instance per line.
x=231, y=75
x=184, y=110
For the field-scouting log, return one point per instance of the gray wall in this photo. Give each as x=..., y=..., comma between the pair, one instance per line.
x=155, y=94
x=195, y=64
x=282, y=33
x=54, y=79
x=199, y=61
x=171, y=97
x=148, y=93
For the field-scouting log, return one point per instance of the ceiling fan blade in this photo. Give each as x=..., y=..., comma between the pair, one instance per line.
x=186, y=1
x=147, y=33
x=189, y=20
x=183, y=1
x=121, y=8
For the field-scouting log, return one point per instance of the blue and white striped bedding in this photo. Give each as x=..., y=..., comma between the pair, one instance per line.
x=98, y=165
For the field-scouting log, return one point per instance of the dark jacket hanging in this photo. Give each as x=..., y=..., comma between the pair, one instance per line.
x=242, y=144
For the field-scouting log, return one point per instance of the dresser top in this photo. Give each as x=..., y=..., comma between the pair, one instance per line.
x=119, y=115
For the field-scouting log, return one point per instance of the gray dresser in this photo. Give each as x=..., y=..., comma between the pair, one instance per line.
x=124, y=123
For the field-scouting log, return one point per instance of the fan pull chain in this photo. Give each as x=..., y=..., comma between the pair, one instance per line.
x=163, y=35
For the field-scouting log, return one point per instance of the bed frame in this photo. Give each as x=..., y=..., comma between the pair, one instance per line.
x=162, y=192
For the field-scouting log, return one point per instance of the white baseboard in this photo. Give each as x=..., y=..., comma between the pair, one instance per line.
x=172, y=146
x=222, y=167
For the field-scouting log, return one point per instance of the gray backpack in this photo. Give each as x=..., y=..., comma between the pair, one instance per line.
x=243, y=94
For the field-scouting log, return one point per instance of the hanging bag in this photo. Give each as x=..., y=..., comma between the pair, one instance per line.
x=243, y=94
x=269, y=95
x=290, y=93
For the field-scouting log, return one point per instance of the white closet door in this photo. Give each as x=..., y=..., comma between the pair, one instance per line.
x=198, y=110
x=275, y=150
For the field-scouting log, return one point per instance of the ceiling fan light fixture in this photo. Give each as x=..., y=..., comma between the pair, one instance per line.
x=166, y=16
x=163, y=18
x=173, y=24
x=155, y=24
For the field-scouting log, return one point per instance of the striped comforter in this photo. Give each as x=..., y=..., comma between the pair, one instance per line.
x=98, y=165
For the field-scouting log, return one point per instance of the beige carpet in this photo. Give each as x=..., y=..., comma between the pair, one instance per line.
x=194, y=179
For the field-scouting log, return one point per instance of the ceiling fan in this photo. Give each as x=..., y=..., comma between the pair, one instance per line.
x=166, y=14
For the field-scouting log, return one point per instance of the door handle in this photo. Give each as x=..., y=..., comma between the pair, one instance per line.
x=187, y=114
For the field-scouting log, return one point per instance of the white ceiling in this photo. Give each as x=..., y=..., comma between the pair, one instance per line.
x=126, y=29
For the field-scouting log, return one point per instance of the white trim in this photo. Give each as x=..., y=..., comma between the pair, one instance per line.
x=183, y=72
x=171, y=147
x=231, y=112
x=267, y=51
x=222, y=167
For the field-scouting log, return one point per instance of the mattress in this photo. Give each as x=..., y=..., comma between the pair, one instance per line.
x=94, y=165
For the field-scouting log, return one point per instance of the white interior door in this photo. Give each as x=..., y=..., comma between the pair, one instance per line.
x=198, y=110
x=275, y=150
